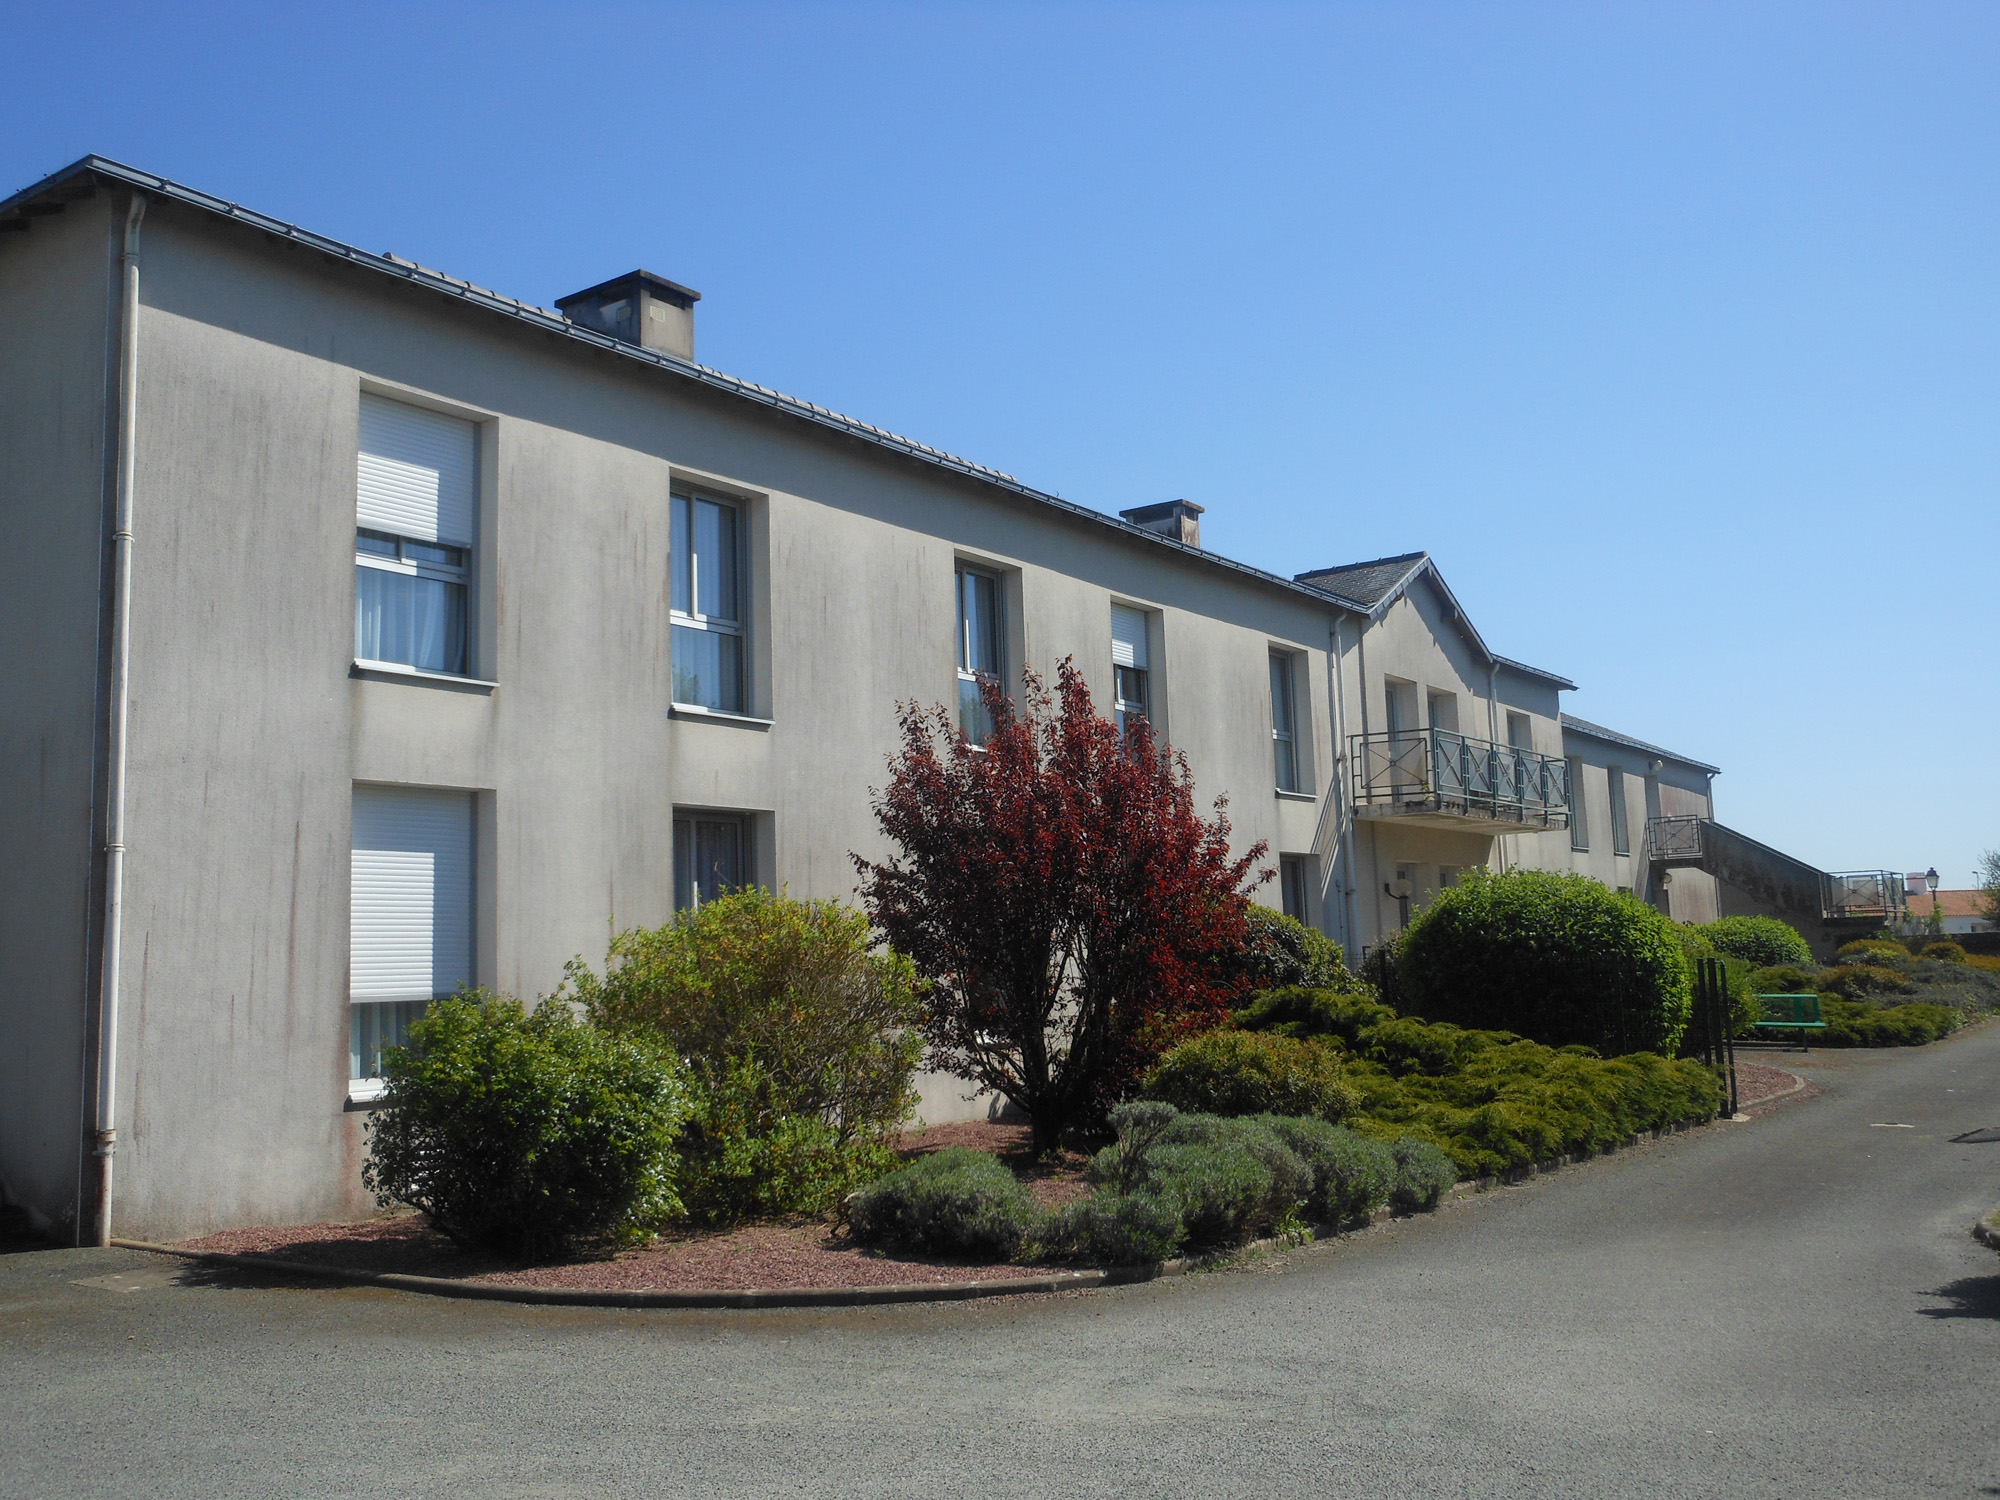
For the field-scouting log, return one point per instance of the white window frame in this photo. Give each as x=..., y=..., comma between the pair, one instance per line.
x=1294, y=887
x=692, y=618
x=1132, y=682
x=1621, y=827
x=1286, y=770
x=969, y=674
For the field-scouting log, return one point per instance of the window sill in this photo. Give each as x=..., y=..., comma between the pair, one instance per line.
x=696, y=711
x=417, y=674
x=366, y=1093
x=1284, y=796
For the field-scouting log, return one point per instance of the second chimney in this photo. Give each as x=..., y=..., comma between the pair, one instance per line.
x=1179, y=519
x=639, y=308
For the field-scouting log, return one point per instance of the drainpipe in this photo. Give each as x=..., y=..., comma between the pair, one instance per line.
x=1343, y=812
x=115, y=737
x=1493, y=738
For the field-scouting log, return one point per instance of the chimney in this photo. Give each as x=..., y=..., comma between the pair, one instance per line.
x=1179, y=519
x=639, y=308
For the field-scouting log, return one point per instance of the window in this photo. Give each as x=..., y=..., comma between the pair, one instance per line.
x=410, y=913
x=979, y=653
x=1520, y=732
x=1130, y=667
x=1406, y=883
x=710, y=858
x=1443, y=709
x=1579, y=826
x=1621, y=840
x=414, y=505
x=1447, y=877
x=1284, y=718
x=707, y=604
x=1292, y=885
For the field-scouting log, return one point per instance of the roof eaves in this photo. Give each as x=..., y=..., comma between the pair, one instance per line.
x=555, y=323
x=1612, y=737
x=1527, y=671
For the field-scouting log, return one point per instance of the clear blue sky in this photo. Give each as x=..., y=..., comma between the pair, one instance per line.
x=1669, y=330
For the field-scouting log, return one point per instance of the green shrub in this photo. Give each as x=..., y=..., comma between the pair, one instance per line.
x=1250, y=1073
x=1352, y=1176
x=526, y=1134
x=1510, y=1105
x=1111, y=1228
x=1423, y=1175
x=802, y=1043
x=1744, y=1012
x=1762, y=941
x=1944, y=953
x=1554, y=957
x=1225, y=1179
x=1851, y=1023
x=954, y=1202
x=1282, y=952
x=1407, y=1045
x=1785, y=979
x=1870, y=950
x=1307, y=1013
x=1859, y=981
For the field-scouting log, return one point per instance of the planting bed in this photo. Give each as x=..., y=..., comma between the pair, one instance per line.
x=809, y=1254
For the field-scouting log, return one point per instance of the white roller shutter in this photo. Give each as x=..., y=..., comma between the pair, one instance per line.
x=411, y=928
x=416, y=474
x=1128, y=636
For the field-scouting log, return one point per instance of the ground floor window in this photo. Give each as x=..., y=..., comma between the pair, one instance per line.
x=711, y=856
x=410, y=913
x=1292, y=885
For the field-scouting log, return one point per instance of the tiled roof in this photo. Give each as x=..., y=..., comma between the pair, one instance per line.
x=1951, y=904
x=1367, y=582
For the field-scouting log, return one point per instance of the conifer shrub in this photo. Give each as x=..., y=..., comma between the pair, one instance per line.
x=1228, y=1072
x=1762, y=941
x=1861, y=981
x=1304, y=1013
x=1872, y=950
x=1944, y=953
x=956, y=1202
x=1852, y=1023
x=1557, y=958
x=527, y=1134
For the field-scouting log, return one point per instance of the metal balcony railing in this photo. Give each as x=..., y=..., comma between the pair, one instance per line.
x=1445, y=776
x=1864, y=893
x=1675, y=840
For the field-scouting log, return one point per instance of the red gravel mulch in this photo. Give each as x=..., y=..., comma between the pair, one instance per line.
x=806, y=1254
x=1756, y=1083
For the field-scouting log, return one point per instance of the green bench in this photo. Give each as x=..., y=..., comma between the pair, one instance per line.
x=1793, y=1013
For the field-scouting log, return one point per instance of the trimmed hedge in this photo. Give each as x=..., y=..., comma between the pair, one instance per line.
x=1557, y=958
x=1250, y=1073
x=1944, y=953
x=1762, y=941
x=1281, y=951
x=1869, y=950
x=526, y=1133
x=955, y=1202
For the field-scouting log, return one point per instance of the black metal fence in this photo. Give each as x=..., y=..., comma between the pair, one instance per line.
x=1710, y=1026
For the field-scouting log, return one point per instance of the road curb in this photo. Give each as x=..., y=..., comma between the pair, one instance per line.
x=1987, y=1230
x=846, y=1296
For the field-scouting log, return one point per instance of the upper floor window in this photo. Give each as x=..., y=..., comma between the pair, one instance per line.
x=1520, y=732
x=1130, y=665
x=1443, y=707
x=1579, y=827
x=1621, y=835
x=1284, y=722
x=414, y=521
x=979, y=649
x=707, y=603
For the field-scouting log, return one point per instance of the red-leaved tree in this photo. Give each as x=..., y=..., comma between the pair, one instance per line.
x=1074, y=914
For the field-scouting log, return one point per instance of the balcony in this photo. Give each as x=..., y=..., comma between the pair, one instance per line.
x=1448, y=780
x=1674, y=841
x=1853, y=895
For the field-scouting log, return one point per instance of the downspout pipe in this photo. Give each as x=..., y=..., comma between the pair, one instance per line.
x=1336, y=669
x=115, y=736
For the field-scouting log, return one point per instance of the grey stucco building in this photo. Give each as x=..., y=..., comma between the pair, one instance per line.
x=370, y=632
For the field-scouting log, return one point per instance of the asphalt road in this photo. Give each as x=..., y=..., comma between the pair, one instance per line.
x=1786, y=1307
